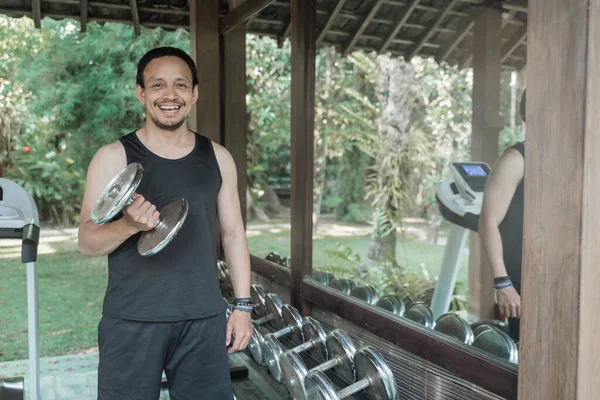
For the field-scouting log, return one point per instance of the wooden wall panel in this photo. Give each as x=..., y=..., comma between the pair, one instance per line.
x=561, y=278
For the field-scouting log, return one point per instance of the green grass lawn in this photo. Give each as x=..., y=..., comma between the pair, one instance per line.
x=71, y=288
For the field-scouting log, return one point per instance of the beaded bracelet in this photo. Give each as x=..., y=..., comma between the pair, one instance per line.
x=243, y=308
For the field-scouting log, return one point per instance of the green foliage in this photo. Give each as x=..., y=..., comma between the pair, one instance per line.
x=51, y=177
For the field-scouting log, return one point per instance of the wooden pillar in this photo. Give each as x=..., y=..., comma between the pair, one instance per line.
x=559, y=345
x=234, y=105
x=303, y=41
x=486, y=127
x=206, y=42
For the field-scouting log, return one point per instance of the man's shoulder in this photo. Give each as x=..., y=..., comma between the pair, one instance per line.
x=111, y=152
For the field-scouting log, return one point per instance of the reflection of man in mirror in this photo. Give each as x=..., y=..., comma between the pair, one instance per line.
x=501, y=228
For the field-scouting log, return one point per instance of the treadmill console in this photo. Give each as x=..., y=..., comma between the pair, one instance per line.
x=461, y=196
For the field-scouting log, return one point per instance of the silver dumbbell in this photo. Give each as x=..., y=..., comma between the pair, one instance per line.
x=314, y=338
x=367, y=294
x=257, y=293
x=373, y=375
x=292, y=321
x=392, y=303
x=341, y=351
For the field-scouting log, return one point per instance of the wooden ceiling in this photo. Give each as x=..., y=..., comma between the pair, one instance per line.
x=430, y=28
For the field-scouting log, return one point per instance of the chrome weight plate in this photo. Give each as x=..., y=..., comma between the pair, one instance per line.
x=257, y=294
x=172, y=217
x=343, y=285
x=341, y=347
x=365, y=293
x=454, y=326
x=293, y=320
x=117, y=194
x=392, y=303
x=274, y=306
x=314, y=333
x=255, y=346
x=319, y=387
x=272, y=351
x=293, y=371
x=370, y=365
x=497, y=343
x=421, y=313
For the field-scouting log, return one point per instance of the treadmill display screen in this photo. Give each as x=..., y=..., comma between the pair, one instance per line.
x=474, y=170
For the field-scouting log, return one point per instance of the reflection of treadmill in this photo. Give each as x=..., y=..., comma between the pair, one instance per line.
x=19, y=220
x=459, y=199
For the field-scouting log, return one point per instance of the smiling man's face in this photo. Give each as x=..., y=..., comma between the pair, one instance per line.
x=168, y=92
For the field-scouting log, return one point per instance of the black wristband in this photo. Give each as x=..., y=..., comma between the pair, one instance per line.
x=502, y=282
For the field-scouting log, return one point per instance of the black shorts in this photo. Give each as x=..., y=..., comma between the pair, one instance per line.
x=193, y=355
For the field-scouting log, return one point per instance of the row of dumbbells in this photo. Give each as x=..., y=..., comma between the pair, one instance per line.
x=487, y=335
x=364, y=369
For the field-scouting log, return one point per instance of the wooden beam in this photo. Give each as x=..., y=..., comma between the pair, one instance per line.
x=431, y=29
x=36, y=8
x=303, y=60
x=486, y=125
x=457, y=39
x=272, y=271
x=135, y=17
x=348, y=48
x=399, y=25
x=84, y=15
x=330, y=19
x=516, y=5
x=207, y=41
x=506, y=21
x=514, y=43
x=242, y=13
x=284, y=35
x=560, y=278
x=234, y=106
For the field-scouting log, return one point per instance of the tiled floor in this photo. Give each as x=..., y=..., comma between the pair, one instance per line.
x=74, y=377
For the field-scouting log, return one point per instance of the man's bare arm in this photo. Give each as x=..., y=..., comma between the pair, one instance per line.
x=232, y=225
x=99, y=240
x=498, y=193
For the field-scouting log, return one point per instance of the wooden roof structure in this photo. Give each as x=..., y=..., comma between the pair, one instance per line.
x=429, y=28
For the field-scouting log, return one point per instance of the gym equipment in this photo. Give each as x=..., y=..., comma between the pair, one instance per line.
x=322, y=277
x=373, y=375
x=343, y=285
x=454, y=326
x=340, y=349
x=367, y=294
x=459, y=200
x=19, y=219
x=225, y=279
x=274, y=257
x=274, y=310
x=315, y=339
x=118, y=194
x=421, y=313
x=393, y=304
x=286, y=262
x=12, y=388
x=257, y=294
x=496, y=342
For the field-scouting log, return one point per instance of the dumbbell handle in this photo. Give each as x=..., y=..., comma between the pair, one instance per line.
x=334, y=362
x=264, y=319
x=284, y=331
x=354, y=388
x=304, y=346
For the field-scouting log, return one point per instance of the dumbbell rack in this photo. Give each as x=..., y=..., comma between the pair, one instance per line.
x=19, y=219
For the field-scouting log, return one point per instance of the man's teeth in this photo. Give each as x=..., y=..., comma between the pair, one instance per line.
x=169, y=108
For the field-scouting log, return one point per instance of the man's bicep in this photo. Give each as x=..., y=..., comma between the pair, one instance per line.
x=105, y=165
x=229, y=211
x=501, y=186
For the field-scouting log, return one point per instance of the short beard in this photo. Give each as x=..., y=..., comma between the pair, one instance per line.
x=166, y=127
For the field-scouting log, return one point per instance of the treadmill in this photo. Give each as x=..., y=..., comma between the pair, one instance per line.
x=459, y=200
x=19, y=220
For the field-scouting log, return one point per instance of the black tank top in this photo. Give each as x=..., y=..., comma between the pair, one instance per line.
x=511, y=228
x=179, y=282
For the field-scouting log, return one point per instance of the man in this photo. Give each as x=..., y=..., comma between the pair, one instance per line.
x=166, y=311
x=501, y=228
